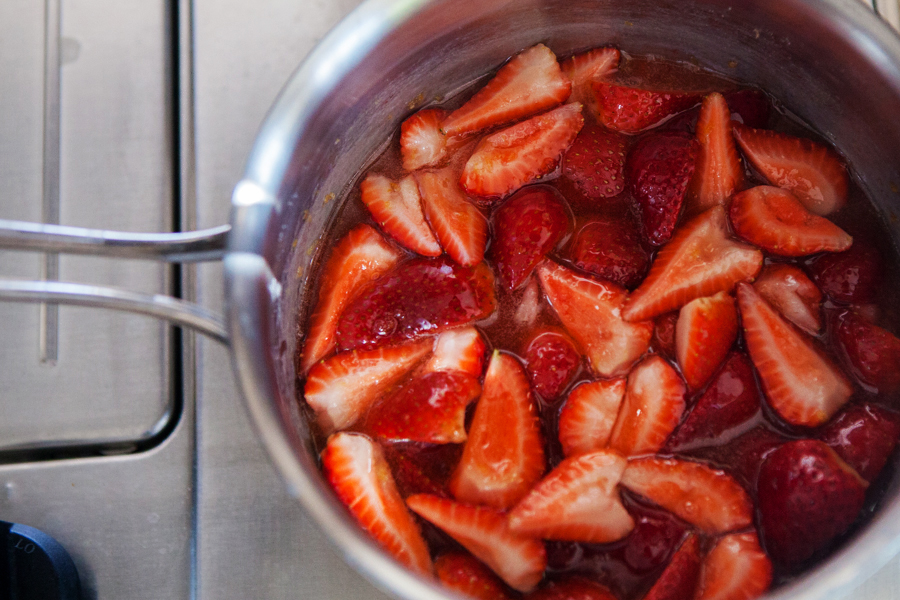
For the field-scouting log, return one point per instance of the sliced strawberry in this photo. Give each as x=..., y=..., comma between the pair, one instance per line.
x=505, y=161
x=587, y=418
x=851, y=277
x=572, y=588
x=518, y=560
x=583, y=69
x=552, y=362
x=658, y=170
x=735, y=569
x=595, y=161
x=813, y=172
x=775, y=220
x=430, y=408
x=791, y=292
x=801, y=385
x=422, y=296
x=611, y=249
x=529, y=305
x=531, y=82
x=466, y=575
x=699, y=261
x=526, y=227
x=730, y=400
x=664, y=334
x=341, y=388
x=702, y=496
x=577, y=501
x=872, y=354
x=864, y=435
x=359, y=257
x=458, y=225
x=679, y=579
x=589, y=310
x=355, y=468
x=499, y=470
x=807, y=497
x=651, y=409
x=706, y=330
x=422, y=143
x=397, y=208
x=718, y=173
x=742, y=456
x=631, y=110
x=458, y=350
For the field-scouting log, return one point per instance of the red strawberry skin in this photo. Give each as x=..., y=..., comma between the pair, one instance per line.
x=872, y=354
x=742, y=457
x=658, y=170
x=468, y=576
x=631, y=110
x=679, y=579
x=850, y=277
x=526, y=227
x=807, y=497
x=750, y=107
x=430, y=408
x=422, y=468
x=418, y=297
x=552, y=362
x=573, y=588
x=611, y=249
x=586, y=67
x=664, y=334
x=595, y=161
x=864, y=435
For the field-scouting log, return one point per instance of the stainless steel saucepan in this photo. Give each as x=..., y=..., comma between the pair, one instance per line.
x=831, y=61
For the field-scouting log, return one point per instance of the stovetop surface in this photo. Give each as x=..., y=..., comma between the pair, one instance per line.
x=150, y=474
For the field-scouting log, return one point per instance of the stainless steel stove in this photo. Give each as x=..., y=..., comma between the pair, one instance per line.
x=123, y=439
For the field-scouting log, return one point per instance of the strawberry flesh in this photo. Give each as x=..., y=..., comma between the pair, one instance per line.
x=595, y=162
x=587, y=418
x=466, y=575
x=422, y=143
x=584, y=68
x=850, y=277
x=526, y=227
x=631, y=110
x=397, y=208
x=418, y=297
x=718, y=173
x=736, y=567
x=611, y=248
x=552, y=362
x=706, y=330
x=658, y=170
x=790, y=291
x=458, y=225
x=807, y=496
x=458, y=350
x=871, y=354
x=679, y=579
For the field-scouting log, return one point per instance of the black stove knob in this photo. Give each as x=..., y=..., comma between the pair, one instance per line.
x=34, y=566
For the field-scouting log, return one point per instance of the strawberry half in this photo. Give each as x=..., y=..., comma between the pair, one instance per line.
x=359, y=257
x=730, y=400
x=718, y=173
x=531, y=82
x=552, y=362
x=505, y=161
x=577, y=501
x=631, y=110
x=775, y=220
x=458, y=225
x=518, y=560
x=342, y=387
x=422, y=143
x=422, y=296
x=850, y=277
x=526, y=227
x=355, y=468
x=658, y=170
x=589, y=310
x=595, y=162
x=664, y=334
x=742, y=456
x=791, y=292
x=651, y=409
x=611, y=249
x=430, y=408
x=864, y=435
x=801, y=385
x=807, y=496
x=583, y=69
x=704, y=497
x=499, y=470
x=458, y=350
x=679, y=579
x=706, y=330
x=397, y=208
x=466, y=575
x=813, y=172
x=736, y=568
x=587, y=418
x=572, y=588
x=872, y=354
x=699, y=261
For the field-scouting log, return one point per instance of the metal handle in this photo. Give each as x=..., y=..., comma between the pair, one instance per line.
x=192, y=246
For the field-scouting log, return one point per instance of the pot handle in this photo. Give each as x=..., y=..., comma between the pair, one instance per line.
x=191, y=246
